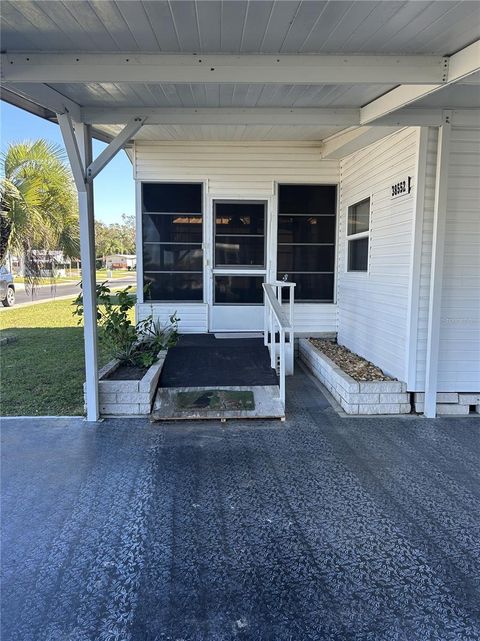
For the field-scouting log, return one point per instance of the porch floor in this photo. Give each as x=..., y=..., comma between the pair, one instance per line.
x=319, y=528
x=201, y=360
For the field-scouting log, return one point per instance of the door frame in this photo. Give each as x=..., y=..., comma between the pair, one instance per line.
x=209, y=251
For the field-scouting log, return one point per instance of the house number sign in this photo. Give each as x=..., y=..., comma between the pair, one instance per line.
x=401, y=187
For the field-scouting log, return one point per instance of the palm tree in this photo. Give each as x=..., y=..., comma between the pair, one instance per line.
x=38, y=204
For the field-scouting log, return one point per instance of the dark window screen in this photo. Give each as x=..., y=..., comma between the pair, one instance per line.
x=179, y=228
x=172, y=241
x=306, y=240
x=307, y=199
x=174, y=286
x=358, y=255
x=239, y=234
x=172, y=198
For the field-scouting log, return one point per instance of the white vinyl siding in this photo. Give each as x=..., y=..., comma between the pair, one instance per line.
x=193, y=316
x=373, y=306
x=459, y=354
x=240, y=170
x=245, y=169
x=459, y=349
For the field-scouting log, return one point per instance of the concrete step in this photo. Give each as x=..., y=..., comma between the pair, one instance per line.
x=169, y=400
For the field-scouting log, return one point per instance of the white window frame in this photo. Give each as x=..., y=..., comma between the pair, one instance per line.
x=362, y=234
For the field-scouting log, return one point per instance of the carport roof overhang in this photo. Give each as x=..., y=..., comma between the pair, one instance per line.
x=245, y=97
x=245, y=70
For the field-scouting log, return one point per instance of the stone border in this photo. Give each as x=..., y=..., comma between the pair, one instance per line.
x=364, y=397
x=128, y=398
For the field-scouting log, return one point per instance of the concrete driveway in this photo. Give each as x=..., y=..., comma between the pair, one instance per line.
x=320, y=528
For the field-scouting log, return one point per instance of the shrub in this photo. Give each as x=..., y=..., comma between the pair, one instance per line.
x=133, y=344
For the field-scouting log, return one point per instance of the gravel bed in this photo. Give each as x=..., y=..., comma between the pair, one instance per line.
x=352, y=364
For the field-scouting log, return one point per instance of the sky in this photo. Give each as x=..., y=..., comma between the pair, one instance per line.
x=114, y=190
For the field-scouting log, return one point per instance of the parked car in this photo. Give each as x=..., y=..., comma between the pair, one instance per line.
x=7, y=288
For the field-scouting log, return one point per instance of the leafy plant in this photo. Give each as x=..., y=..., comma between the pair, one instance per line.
x=133, y=344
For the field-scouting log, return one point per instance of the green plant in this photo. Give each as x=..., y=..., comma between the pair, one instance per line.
x=133, y=344
x=154, y=336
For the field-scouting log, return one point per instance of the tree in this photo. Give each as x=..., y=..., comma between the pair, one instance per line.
x=38, y=204
x=116, y=238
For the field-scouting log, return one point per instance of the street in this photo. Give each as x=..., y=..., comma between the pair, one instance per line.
x=49, y=292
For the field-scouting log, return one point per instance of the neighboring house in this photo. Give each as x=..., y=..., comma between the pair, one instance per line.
x=48, y=264
x=120, y=261
x=355, y=177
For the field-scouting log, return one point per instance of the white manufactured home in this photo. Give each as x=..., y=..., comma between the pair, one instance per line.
x=330, y=146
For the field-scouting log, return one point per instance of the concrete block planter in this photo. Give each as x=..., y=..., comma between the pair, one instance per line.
x=369, y=397
x=128, y=398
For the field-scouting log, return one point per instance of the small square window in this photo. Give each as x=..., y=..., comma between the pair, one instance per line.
x=359, y=217
x=358, y=255
x=358, y=232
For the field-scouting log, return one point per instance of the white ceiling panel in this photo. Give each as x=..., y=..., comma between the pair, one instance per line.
x=122, y=94
x=230, y=132
x=453, y=97
x=240, y=26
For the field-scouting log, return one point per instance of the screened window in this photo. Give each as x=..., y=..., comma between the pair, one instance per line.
x=240, y=234
x=172, y=217
x=306, y=240
x=358, y=232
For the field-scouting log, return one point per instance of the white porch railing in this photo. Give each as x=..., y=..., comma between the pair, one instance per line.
x=276, y=322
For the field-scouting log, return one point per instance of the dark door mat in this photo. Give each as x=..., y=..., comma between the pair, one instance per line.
x=204, y=361
x=219, y=399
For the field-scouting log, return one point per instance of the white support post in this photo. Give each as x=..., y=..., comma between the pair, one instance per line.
x=291, y=313
x=291, y=344
x=139, y=243
x=273, y=342
x=436, y=272
x=265, y=319
x=282, y=365
x=78, y=142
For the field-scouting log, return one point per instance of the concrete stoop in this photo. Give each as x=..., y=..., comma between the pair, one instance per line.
x=267, y=404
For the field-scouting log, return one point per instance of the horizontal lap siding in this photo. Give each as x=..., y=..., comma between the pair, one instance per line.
x=247, y=170
x=315, y=318
x=459, y=356
x=372, y=308
x=193, y=317
x=239, y=169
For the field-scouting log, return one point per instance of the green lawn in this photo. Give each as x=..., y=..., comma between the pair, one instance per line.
x=116, y=273
x=43, y=372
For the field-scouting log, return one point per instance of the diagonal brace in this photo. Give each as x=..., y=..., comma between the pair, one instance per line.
x=71, y=145
x=113, y=148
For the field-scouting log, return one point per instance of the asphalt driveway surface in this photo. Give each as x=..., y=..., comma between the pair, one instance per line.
x=318, y=528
